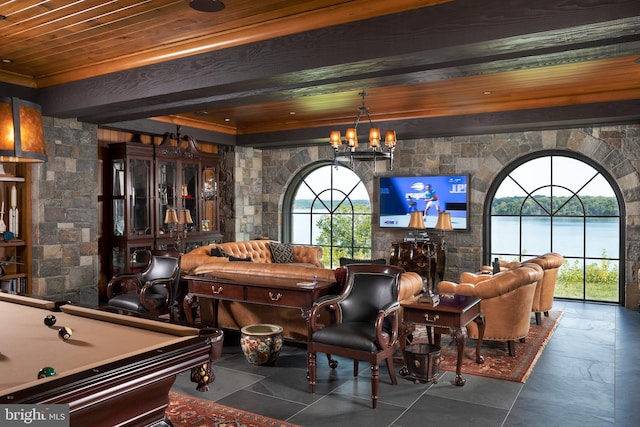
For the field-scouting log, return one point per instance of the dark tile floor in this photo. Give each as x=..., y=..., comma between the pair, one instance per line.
x=588, y=375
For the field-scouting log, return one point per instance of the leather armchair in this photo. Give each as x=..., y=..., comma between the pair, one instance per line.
x=507, y=298
x=152, y=291
x=364, y=322
x=546, y=287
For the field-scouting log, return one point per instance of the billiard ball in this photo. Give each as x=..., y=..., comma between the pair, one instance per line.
x=50, y=320
x=65, y=332
x=45, y=372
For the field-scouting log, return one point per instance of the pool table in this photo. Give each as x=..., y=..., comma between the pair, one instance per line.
x=114, y=370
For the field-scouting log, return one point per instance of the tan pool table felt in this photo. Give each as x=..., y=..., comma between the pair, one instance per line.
x=27, y=344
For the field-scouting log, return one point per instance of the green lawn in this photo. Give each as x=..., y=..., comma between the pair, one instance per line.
x=594, y=290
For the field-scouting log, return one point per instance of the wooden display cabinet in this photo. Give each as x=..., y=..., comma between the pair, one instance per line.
x=15, y=230
x=128, y=205
x=187, y=183
x=157, y=197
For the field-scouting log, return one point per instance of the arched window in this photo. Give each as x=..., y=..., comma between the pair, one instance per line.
x=328, y=205
x=560, y=203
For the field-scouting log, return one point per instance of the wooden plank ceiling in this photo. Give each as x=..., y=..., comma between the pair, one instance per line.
x=283, y=72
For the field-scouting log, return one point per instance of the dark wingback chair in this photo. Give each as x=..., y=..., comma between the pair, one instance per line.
x=364, y=322
x=152, y=291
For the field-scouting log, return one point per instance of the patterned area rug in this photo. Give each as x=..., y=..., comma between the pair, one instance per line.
x=186, y=410
x=497, y=362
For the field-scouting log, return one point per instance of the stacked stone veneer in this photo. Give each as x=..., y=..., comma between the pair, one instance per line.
x=65, y=214
x=483, y=157
x=241, y=194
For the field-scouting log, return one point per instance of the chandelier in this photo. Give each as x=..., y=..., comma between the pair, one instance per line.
x=347, y=151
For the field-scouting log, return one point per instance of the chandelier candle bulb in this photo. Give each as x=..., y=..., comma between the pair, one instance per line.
x=335, y=139
x=352, y=138
x=390, y=138
x=374, y=137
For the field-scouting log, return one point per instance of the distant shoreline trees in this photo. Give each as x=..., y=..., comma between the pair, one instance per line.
x=558, y=206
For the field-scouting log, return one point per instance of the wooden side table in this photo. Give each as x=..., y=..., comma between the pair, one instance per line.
x=452, y=313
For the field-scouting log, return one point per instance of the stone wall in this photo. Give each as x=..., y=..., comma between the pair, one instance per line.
x=242, y=193
x=65, y=213
x=483, y=157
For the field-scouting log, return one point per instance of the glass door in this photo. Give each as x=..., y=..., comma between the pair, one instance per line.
x=189, y=214
x=209, y=199
x=140, y=197
x=167, y=182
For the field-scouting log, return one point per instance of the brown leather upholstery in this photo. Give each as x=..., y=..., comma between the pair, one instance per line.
x=258, y=250
x=545, y=290
x=543, y=298
x=506, y=303
x=308, y=262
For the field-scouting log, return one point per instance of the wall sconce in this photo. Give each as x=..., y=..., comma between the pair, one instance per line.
x=21, y=133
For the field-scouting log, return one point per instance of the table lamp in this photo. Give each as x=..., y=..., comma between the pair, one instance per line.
x=443, y=224
x=416, y=222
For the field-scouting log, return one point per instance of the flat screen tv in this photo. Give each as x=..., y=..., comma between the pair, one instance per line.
x=400, y=195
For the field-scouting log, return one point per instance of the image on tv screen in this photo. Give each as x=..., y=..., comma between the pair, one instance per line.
x=401, y=195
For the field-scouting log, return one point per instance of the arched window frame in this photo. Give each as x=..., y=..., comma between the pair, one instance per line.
x=287, y=212
x=505, y=172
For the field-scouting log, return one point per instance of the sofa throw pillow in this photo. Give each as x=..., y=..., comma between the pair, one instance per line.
x=281, y=253
x=235, y=258
x=218, y=252
x=349, y=261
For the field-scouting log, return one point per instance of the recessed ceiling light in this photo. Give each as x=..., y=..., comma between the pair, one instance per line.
x=487, y=92
x=6, y=61
x=206, y=5
x=227, y=119
x=292, y=113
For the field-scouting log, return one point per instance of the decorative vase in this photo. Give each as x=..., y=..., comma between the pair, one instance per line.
x=261, y=343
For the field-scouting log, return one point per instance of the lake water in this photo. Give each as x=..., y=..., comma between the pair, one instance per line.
x=601, y=234
x=569, y=234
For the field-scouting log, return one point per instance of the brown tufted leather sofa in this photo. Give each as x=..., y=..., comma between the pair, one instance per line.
x=506, y=303
x=307, y=264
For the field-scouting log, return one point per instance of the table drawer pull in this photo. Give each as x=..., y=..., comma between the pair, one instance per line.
x=432, y=320
x=275, y=297
x=216, y=291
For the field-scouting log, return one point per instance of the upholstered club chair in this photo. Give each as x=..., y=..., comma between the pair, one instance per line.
x=506, y=303
x=364, y=324
x=151, y=291
x=546, y=287
x=545, y=290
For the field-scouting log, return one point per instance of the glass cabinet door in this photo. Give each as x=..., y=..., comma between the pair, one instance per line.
x=140, y=197
x=190, y=190
x=117, y=197
x=209, y=199
x=167, y=182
